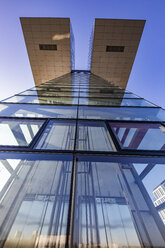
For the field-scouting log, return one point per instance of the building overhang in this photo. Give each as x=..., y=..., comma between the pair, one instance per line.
x=115, y=43
x=49, y=42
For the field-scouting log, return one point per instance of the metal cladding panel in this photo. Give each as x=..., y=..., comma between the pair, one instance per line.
x=47, y=64
x=122, y=38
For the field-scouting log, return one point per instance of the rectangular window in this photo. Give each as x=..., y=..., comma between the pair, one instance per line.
x=47, y=88
x=109, y=90
x=139, y=136
x=7, y=169
x=107, y=95
x=50, y=47
x=122, y=113
x=36, y=203
x=115, y=49
x=58, y=135
x=18, y=132
x=38, y=111
x=137, y=102
x=102, y=217
x=43, y=100
x=41, y=93
x=93, y=136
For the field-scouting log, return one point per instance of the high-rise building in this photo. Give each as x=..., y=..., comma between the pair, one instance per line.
x=76, y=148
x=159, y=202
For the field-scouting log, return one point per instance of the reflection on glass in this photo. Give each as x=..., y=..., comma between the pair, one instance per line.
x=22, y=99
x=100, y=101
x=23, y=110
x=115, y=102
x=3, y=107
x=140, y=136
x=7, y=169
x=153, y=176
x=57, y=94
x=93, y=136
x=84, y=94
x=4, y=176
x=146, y=114
x=58, y=135
x=18, y=132
x=136, y=102
x=106, y=90
x=143, y=212
x=42, y=100
x=58, y=100
x=102, y=217
x=39, y=217
x=29, y=92
x=108, y=95
x=55, y=89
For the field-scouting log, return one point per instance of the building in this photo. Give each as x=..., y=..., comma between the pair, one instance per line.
x=50, y=47
x=159, y=194
x=70, y=147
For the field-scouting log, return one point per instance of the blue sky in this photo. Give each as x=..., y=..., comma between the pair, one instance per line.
x=147, y=78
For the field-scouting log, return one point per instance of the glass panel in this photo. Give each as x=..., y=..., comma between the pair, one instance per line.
x=18, y=132
x=136, y=102
x=105, y=185
x=102, y=85
x=146, y=217
x=58, y=100
x=102, y=217
x=103, y=91
x=7, y=168
x=108, y=95
x=42, y=100
x=153, y=176
x=25, y=110
x=58, y=135
x=115, y=102
x=84, y=94
x=23, y=99
x=29, y=92
x=138, y=114
x=140, y=136
x=51, y=93
x=93, y=136
x=56, y=88
x=38, y=213
x=111, y=90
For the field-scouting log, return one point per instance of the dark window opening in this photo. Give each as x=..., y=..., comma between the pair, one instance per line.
x=47, y=47
x=105, y=90
x=115, y=49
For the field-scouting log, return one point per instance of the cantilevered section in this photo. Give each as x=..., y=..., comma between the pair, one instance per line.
x=49, y=43
x=115, y=43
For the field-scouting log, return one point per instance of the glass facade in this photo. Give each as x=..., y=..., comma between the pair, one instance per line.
x=80, y=158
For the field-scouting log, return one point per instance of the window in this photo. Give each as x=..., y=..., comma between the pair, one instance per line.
x=48, y=47
x=42, y=100
x=137, y=102
x=39, y=211
x=58, y=135
x=114, y=48
x=122, y=113
x=152, y=176
x=93, y=136
x=18, y=132
x=101, y=212
x=38, y=111
x=140, y=136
